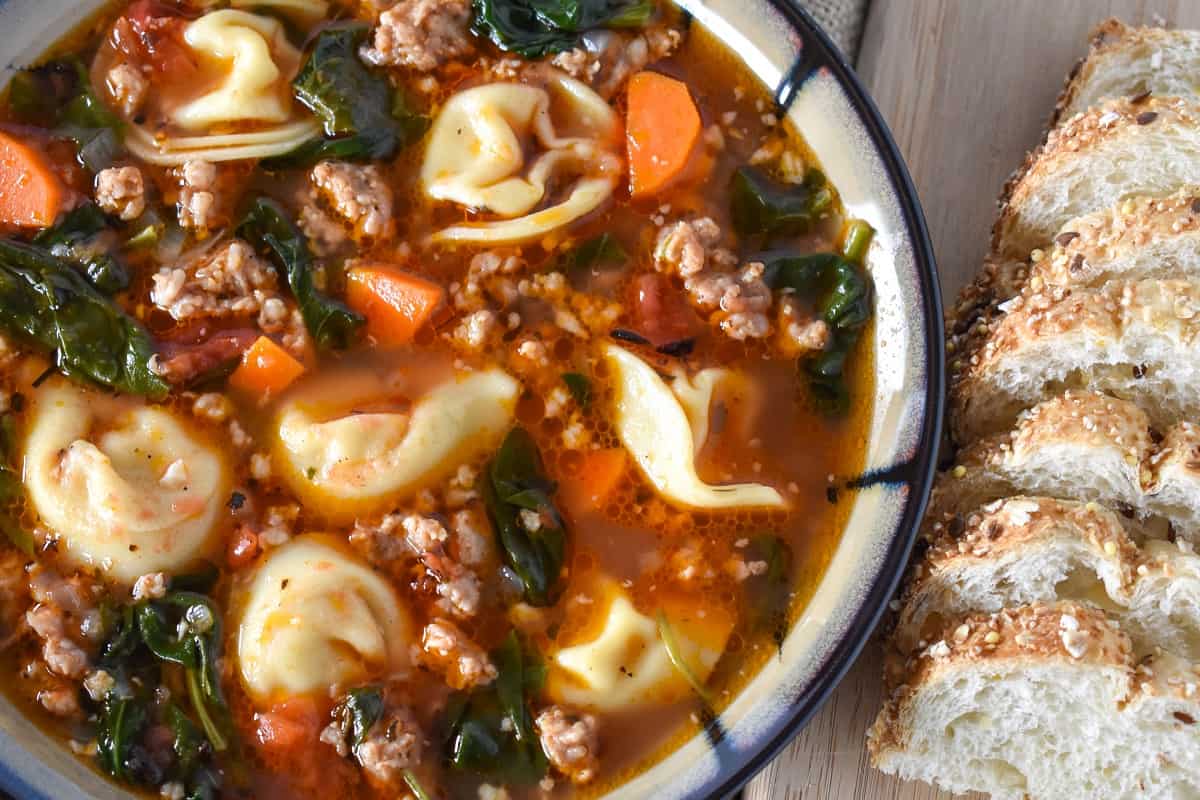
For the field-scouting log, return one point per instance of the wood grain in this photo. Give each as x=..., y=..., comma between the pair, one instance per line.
x=967, y=87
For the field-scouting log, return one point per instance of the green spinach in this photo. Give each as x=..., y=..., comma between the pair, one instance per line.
x=666, y=632
x=537, y=28
x=44, y=300
x=330, y=322
x=515, y=482
x=357, y=713
x=11, y=491
x=580, y=386
x=598, y=251
x=363, y=118
x=77, y=237
x=761, y=206
x=769, y=595
x=489, y=731
x=59, y=96
x=121, y=722
x=843, y=296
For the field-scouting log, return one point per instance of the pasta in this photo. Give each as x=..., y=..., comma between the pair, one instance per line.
x=314, y=617
x=347, y=463
x=664, y=429
x=127, y=487
x=626, y=664
x=476, y=156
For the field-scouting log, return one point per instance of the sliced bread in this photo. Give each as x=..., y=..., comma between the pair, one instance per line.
x=1024, y=550
x=1043, y=701
x=1088, y=447
x=1108, y=153
x=1135, y=339
x=1126, y=61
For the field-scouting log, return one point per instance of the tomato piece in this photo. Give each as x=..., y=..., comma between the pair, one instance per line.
x=660, y=312
x=152, y=34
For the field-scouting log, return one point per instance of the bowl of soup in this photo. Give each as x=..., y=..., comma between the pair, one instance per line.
x=444, y=399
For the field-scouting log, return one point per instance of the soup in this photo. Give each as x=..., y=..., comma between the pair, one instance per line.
x=431, y=399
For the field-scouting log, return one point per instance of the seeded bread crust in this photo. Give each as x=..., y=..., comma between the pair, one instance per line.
x=1069, y=174
x=1084, y=446
x=1136, y=339
x=1127, y=61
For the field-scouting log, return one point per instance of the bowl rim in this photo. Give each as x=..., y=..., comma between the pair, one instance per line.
x=818, y=50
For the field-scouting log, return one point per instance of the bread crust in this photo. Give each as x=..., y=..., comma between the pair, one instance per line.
x=1116, y=123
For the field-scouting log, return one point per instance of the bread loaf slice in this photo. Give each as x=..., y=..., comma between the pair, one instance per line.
x=1025, y=550
x=1108, y=153
x=1136, y=339
x=1042, y=701
x=1087, y=447
x=1127, y=61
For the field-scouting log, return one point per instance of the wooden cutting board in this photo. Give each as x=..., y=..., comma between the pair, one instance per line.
x=967, y=87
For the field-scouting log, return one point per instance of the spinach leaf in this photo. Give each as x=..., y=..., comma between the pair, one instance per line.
x=358, y=712
x=363, y=118
x=675, y=655
x=537, y=28
x=330, y=322
x=515, y=482
x=597, y=251
x=44, y=300
x=580, y=386
x=769, y=595
x=414, y=785
x=184, y=628
x=86, y=120
x=121, y=723
x=843, y=295
x=75, y=239
x=760, y=205
x=189, y=745
x=490, y=730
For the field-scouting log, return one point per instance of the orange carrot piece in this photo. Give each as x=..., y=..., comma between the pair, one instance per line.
x=662, y=126
x=598, y=476
x=31, y=193
x=266, y=368
x=396, y=304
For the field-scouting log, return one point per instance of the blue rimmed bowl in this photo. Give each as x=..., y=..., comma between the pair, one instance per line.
x=815, y=87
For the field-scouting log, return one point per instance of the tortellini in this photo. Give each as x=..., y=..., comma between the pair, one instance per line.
x=477, y=156
x=257, y=64
x=625, y=664
x=663, y=427
x=313, y=617
x=349, y=463
x=254, y=87
x=127, y=486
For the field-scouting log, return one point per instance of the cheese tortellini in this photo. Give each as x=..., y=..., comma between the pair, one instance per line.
x=625, y=664
x=477, y=156
x=257, y=64
x=127, y=486
x=312, y=617
x=349, y=463
x=664, y=427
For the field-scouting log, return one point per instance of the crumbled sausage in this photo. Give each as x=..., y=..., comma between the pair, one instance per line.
x=391, y=746
x=358, y=193
x=60, y=700
x=474, y=331
x=127, y=86
x=382, y=542
x=570, y=742
x=231, y=281
x=150, y=586
x=324, y=234
x=800, y=332
x=456, y=585
x=121, y=191
x=61, y=654
x=451, y=651
x=422, y=34
x=606, y=59
x=424, y=534
x=196, y=199
x=682, y=248
x=471, y=537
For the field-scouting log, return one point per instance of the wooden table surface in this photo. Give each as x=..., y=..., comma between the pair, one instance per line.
x=966, y=86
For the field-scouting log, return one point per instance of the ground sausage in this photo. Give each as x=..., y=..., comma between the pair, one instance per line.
x=422, y=34
x=121, y=191
x=358, y=194
x=570, y=742
x=231, y=281
x=196, y=199
x=452, y=652
x=128, y=87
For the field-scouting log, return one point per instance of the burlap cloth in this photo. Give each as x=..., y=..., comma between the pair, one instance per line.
x=841, y=19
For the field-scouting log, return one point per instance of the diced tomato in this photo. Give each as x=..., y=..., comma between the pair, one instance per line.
x=294, y=722
x=243, y=547
x=660, y=312
x=184, y=360
x=152, y=34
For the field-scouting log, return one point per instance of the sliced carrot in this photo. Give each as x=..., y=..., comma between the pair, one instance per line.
x=31, y=193
x=396, y=304
x=662, y=127
x=266, y=368
x=598, y=476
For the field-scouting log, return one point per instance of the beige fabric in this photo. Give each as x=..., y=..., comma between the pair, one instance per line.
x=841, y=19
